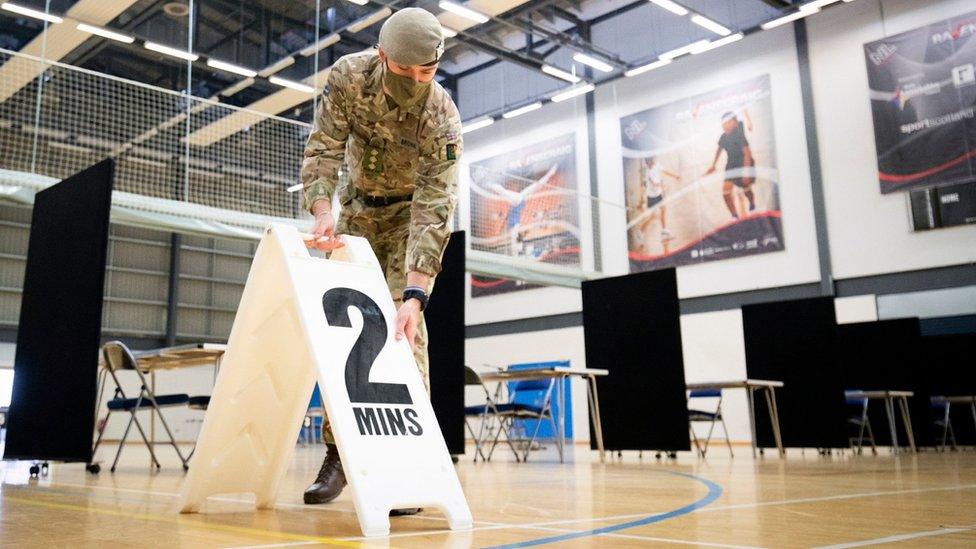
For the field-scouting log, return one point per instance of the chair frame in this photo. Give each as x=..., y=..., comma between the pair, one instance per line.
x=507, y=420
x=471, y=378
x=717, y=416
x=145, y=393
x=946, y=423
x=863, y=423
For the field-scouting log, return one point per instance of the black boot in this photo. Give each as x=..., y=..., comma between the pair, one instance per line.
x=331, y=480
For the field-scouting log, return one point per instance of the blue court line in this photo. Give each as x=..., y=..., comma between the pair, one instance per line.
x=714, y=491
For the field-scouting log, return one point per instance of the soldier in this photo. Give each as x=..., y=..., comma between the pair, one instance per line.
x=399, y=134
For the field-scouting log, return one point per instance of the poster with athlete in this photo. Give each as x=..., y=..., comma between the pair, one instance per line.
x=923, y=96
x=524, y=205
x=700, y=178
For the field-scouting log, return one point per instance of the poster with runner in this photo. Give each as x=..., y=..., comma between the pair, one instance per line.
x=524, y=205
x=701, y=179
x=923, y=95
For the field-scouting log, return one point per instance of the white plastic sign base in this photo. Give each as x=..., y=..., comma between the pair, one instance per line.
x=304, y=319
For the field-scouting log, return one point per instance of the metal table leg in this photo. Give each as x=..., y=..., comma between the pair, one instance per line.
x=774, y=418
x=595, y=415
x=752, y=418
x=907, y=419
x=561, y=399
x=892, y=428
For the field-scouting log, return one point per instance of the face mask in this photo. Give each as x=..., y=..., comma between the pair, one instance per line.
x=405, y=91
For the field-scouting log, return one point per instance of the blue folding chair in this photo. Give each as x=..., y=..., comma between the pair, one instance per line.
x=940, y=409
x=118, y=357
x=487, y=413
x=701, y=416
x=859, y=419
x=513, y=411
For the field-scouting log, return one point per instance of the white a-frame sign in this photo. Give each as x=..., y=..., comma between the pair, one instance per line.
x=304, y=319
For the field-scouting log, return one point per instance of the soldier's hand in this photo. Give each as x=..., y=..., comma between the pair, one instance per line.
x=406, y=321
x=324, y=232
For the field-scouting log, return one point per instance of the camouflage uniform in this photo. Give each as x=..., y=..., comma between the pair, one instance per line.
x=390, y=153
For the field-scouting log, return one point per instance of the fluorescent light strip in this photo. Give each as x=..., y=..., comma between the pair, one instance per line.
x=522, y=110
x=815, y=6
x=359, y=2
x=314, y=48
x=678, y=52
x=295, y=188
x=483, y=123
x=718, y=43
x=448, y=32
x=467, y=13
x=224, y=66
x=575, y=91
x=173, y=52
x=277, y=66
x=646, y=68
x=291, y=84
x=21, y=10
x=707, y=23
x=786, y=19
x=559, y=73
x=369, y=20
x=674, y=8
x=105, y=33
x=593, y=62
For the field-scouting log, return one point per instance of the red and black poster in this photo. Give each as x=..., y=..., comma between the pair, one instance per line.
x=923, y=96
x=701, y=179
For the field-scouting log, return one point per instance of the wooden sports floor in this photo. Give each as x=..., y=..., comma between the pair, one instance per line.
x=928, y=500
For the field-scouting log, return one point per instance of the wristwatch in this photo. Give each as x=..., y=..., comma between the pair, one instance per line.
x=419, y=295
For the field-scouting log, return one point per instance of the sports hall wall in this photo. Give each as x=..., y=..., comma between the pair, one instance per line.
x=868, y=234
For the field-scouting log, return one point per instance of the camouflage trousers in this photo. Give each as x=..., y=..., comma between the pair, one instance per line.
x=386, y=229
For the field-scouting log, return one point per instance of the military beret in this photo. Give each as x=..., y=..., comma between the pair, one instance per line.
x=412, y=36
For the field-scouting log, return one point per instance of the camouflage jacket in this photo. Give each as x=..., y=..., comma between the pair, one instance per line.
x=388, y=152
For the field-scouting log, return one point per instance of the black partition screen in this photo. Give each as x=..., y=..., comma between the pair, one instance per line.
x=53, y=405
x=445, y=329
x=631, y=328
x=886, y=355
x=950, y=362
x=796, y=342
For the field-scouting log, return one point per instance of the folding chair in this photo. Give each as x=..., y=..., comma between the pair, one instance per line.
x=701, y=416
x=860, y=420
x=487, y=413
x=510, y=412
x=940, y=408
x=118, y=357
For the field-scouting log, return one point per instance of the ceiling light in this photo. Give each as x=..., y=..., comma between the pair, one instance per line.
x=573, y=92
x=483, y=123
x=678, y=52
x=645, y=68
x=718, y=43
x=448, y=33
x=816, y=5
x=787, y=19
x=522, y=110
x=297, y=186
x=467, y=13
x=31, y=13
x=369, y=20
x=291, y=84
x=173, y=52
x=559, y=73
x=105, y=33
x=321, y=44
x=593, y=62
x=359, y=2
x=674, y=8
x=224, y=66
x=707, y=23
